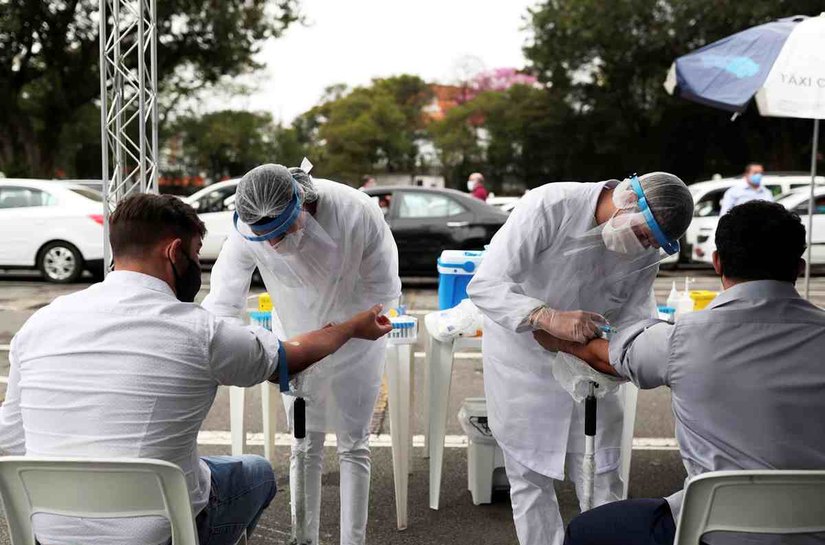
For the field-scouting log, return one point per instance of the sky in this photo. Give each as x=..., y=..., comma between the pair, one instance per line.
x=353, y=41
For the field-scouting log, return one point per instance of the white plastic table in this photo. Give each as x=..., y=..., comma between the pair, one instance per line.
x=270, y=399
x=439, y=367
x=400, y=386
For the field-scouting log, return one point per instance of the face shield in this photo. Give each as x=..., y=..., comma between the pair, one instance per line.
x=293, y=246
x=611, y=259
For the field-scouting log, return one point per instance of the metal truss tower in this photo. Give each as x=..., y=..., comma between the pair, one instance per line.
x=128, y=103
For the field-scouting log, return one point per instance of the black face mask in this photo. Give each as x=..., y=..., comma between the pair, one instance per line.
x=188, y=284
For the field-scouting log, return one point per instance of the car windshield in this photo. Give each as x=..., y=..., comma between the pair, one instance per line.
x=90, y=194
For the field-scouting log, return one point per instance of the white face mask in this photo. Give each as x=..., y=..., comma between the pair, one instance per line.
x=470, y=185
x=623, y=240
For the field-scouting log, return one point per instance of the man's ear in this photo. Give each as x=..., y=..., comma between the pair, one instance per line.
x=173, y=250
x=717, y=263
x=801, y=267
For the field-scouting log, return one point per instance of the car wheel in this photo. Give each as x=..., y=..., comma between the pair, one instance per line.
x=60, y=262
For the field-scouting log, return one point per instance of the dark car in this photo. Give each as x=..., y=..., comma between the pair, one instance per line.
x=426, y=221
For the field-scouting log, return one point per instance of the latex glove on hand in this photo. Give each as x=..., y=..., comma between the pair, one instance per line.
x=571, y=325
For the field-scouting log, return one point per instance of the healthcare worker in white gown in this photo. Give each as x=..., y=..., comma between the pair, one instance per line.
x=571, y=258
x=323, y=249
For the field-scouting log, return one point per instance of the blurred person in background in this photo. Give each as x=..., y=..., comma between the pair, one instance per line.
x=475, y=185
x=750, y=189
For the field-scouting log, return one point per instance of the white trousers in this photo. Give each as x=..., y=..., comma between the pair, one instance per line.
x=533, y=497
x=354, y=463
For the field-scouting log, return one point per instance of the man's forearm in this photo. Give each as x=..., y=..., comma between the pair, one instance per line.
x=595, y=353
x=304, y=350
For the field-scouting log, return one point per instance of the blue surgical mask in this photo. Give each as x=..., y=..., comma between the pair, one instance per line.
x=756, y=179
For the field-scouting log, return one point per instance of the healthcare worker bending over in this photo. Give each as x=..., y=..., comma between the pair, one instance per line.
x=323, y=249
x=571, y=258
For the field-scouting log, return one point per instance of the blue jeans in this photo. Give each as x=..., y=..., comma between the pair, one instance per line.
x=645, y=521
x=242, y=487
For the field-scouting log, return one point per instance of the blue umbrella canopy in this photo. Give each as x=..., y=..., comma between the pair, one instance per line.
x=727, y=74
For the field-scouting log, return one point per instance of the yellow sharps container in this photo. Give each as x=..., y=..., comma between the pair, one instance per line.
x=702, y=298
x=264, y=303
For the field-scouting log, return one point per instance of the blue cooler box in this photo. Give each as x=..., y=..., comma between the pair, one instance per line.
x=455, y=270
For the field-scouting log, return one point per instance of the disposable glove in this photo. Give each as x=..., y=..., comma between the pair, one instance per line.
x=570, y=325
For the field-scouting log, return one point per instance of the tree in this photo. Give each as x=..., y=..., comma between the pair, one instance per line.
x=609, y=60
x=368, y=128
x=457, y=140
x=517, y=135
x=49, y=60
x=225, y=143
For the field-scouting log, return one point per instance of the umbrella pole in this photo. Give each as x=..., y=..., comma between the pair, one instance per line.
x=589, y=462
x=814, y=149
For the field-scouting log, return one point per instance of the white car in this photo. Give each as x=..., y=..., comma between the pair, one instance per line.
x=796, y=201
x=707, y=197
x=53, y=226
x=215, y=205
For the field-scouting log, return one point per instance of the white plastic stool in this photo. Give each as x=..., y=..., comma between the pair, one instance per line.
x=485, y=460
x=439, y=370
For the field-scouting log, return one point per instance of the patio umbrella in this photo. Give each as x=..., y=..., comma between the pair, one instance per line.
x=781, y=64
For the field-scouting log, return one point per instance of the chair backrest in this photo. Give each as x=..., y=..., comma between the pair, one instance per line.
x=100, y=488
x=757, y=502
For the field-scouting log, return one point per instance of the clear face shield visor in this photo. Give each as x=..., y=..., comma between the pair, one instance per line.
x=633, y=227
x=630, y=243
x=293, y=246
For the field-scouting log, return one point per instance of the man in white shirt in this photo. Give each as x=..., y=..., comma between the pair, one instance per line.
x=129, y=367
x=750, y=189
x=746, y=375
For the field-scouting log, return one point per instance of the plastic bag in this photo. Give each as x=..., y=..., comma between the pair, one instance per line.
x=575, y=377
x=463, y=320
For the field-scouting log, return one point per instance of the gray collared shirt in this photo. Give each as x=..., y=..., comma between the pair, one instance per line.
x=747, y=376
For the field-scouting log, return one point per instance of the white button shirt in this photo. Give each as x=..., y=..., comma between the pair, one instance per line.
x=746, y=376
x=742, y=193
x=124, y=369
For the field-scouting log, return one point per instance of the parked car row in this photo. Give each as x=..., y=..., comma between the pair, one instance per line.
x=56, y=226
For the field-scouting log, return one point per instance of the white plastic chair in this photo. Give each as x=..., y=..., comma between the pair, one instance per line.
x=100, y=488
x=761, y=502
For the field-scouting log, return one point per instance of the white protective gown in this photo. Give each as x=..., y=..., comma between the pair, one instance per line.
x=342, y=389
x=533, y=419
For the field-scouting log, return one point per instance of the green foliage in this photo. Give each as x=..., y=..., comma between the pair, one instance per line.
x=225, y=143
x=609, y=60
x=49, y=57
x=511, y=136
x=366, y=129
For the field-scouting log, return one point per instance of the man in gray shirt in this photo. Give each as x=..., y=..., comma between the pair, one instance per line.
x=746, y=373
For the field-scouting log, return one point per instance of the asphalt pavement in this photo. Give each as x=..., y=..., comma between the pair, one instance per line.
x=656, y=468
